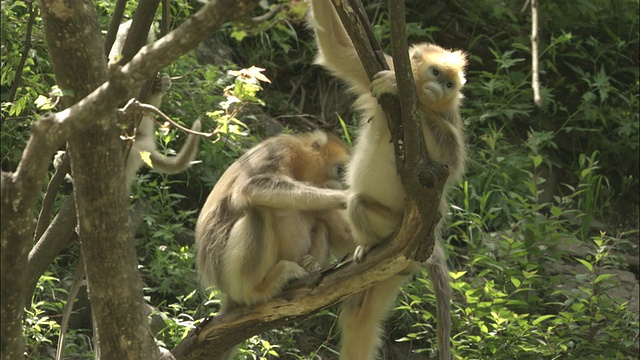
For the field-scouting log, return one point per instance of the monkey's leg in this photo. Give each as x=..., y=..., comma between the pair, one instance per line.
x=372, y=223
x=274, y=281
x=281, y=192
x=341, y=240
x=439, y=276
x=319, y=250
x=335, y=49
x=362, y=315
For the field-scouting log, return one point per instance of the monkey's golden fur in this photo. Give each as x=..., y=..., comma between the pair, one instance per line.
x=376, y=198
x=272, y=217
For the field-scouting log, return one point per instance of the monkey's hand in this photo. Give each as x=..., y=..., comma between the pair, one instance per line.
x=310, y=264
x=384, y=82
x=161, y=84
x=360, y=252
x=313, y=268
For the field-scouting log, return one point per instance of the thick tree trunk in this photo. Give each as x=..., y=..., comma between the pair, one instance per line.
x=97, y=166
x=79, y=63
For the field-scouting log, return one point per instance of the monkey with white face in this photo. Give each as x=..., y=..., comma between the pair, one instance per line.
x=376, y=199
x=272, y=217
x=144, y=140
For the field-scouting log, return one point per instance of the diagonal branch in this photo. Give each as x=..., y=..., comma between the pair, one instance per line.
x=218, y=334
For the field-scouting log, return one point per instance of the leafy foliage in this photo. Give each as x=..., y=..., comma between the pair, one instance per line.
x=536, y=178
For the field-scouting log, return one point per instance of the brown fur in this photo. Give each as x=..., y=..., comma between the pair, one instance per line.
x=272, y=218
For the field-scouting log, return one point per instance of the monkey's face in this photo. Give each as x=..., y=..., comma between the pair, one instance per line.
x=439, y=75
x=438, y=87
x=336, y=158
x=337, y=179
x=321, y=160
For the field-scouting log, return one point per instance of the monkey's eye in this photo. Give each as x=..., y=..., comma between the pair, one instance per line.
x=338, y=172
x=435, y=72
x=449, y=85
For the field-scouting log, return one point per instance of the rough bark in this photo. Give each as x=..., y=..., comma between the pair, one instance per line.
x=73, y=37
x=100, y=193
x=215, y=335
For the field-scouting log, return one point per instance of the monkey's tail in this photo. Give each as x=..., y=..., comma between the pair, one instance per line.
x=439, y=276
x=180, y=162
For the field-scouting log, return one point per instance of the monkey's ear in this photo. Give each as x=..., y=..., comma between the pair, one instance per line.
x=318, y=139
x=463, y=80
x=461, y=59
x=415, y=54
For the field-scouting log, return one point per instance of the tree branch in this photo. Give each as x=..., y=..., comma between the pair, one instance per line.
x=20, y=190
x=535, y=79
x=423, y=180
x=215, y=335
x=136, y=107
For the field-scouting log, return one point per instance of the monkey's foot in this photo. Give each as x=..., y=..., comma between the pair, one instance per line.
x=310, y=264
x=384, y=82
x=162, y=83
x=360, y=252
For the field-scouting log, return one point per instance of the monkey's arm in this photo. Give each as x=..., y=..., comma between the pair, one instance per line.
x=338, y=232
x=281, y=192
x=335, y=49
x=372, y=223
x=384, y=82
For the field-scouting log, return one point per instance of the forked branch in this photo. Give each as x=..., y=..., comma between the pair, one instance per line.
x=423, y=180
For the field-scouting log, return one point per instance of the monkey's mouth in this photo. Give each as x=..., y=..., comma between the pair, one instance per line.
x=429, y=95
x=336, y=185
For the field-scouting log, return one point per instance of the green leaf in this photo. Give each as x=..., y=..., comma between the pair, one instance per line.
x=239, y=35
x=515, y=281
x=537, y=160
x=541, y=319
x=603, y=277
x=587, y=264
x=146, y=157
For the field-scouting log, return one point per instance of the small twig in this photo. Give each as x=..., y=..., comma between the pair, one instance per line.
x=50, y=196
x=116, y=19
x=535, y=78
x=27, y=46
x=78, y=280
x=268, y=15
x=135, y=106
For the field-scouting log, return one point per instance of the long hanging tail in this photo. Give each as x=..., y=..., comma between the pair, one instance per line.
x=439, y=276
x=362, y=315
x=180, y=162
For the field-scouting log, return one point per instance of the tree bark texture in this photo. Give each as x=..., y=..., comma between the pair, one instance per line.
x=101, y=196
x=79, y=63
